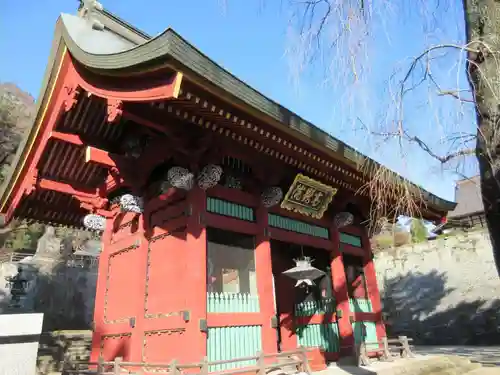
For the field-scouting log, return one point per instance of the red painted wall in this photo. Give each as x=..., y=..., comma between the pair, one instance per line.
x=153, y=269
x=150, y=293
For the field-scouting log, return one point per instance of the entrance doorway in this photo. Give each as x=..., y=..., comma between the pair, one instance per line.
x=234, y=321
x=305, y=314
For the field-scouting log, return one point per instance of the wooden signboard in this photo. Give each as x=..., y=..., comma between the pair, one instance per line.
x=308, y=197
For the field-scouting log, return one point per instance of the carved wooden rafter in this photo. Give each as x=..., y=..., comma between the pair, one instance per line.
x=306, y=158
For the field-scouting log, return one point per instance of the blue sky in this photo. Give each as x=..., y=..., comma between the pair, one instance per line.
x=250, y=38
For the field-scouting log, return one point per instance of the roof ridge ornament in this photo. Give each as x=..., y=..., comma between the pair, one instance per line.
x=87, y=10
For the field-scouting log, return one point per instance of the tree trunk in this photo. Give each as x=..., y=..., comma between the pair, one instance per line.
x=482, y=20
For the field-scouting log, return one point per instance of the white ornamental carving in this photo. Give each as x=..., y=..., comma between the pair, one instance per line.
x=94, y=222
x=209, y=176
x=271, y=196
x=131, y=203
x=343, y=219
x=180, y=178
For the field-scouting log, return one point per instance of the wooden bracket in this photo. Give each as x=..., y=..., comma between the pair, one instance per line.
x=70, y=96
x=115, y=110
x=32, y=181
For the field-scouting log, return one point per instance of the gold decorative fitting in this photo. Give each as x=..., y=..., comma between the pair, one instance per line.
x=308, y=197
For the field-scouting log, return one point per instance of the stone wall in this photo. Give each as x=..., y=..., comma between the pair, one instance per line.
x=442, y=292
x=65, y=294
x=54, y=281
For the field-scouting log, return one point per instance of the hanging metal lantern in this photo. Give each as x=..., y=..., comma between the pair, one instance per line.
x=209, y=176
x=131, y=203
x=343, y=219
x=94, y=222
x=271, y=196
x=180, y=178
x=304, y=272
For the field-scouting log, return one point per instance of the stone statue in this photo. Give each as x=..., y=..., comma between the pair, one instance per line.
x=49, y=246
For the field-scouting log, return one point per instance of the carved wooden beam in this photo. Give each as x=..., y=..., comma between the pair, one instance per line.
x=74, y=139
x=101, y=157
x=166, y=87
x=65, y=188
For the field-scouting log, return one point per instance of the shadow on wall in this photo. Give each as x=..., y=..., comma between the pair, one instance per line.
x=65, y=295
x=61, y=296
x=411, y=302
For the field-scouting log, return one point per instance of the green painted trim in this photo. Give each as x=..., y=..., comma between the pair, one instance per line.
x=297, y=226
x=324, y=336
x=362, y=305
x=350, y=239
x=226, y=208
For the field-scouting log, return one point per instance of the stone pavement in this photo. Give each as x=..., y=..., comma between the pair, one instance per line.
x=422, y=365
x=486, y=355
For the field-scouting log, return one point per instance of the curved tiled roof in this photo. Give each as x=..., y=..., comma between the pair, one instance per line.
x=108, y=45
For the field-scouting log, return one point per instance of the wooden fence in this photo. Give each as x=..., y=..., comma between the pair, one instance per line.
x=295, y=358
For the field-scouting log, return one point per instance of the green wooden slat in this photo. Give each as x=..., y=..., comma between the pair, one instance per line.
x=222, y=207
x=371, y=334
x=324, y=336
x=233, y=342
x=232, y=302
x=297, y=226
x=350, y=239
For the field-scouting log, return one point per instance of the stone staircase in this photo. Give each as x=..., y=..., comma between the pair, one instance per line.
x=56, y=347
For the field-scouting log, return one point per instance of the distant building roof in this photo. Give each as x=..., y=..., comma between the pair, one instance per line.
x=468, y=198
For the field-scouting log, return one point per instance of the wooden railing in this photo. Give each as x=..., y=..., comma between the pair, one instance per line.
x=389, y=349
x=296, y=358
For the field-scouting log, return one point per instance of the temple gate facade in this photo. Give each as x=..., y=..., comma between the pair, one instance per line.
x=205, y=192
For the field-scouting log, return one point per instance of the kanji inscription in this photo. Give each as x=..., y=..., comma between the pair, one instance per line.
x=308, y=197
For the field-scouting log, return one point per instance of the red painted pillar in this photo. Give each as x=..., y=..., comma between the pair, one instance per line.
x=137, y=339
x=341, y=294
x=196, y=261
x=100, y=295
x=264, y=271
x=372, y=286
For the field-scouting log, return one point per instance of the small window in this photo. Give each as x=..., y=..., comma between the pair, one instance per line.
x=230, y=262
